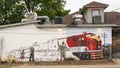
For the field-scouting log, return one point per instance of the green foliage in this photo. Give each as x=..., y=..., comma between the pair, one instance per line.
x=31, y=4
x=49, y=8
x=53, y=8
x=12, y=11
x=17, y=14
x=84, y=10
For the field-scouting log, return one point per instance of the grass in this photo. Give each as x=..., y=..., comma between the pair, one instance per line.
x=4, y=66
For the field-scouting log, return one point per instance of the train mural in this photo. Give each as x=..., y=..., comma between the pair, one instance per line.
x=80, y=44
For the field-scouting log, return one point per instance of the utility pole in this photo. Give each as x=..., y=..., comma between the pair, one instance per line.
x=1, y=48
x=104, y=36
x=110, y=46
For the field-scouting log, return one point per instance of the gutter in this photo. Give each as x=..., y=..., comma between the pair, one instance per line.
x=117, y=26
x=72, y=26
x=19, y=24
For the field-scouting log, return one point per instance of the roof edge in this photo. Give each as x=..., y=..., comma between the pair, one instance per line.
x=19, y=24
x=79, y=26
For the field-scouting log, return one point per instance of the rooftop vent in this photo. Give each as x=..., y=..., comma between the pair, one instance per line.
x=77, y=19
x=58, y=20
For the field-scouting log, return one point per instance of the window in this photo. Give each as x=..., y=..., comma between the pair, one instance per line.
x=95, y=13
x=88, y=35
x=74, y=39
x=96, y=18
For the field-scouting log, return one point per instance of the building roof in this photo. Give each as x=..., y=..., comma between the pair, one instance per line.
x=96, y=4
x=68, y=19
x=109, y=18
x=112, y=17
x=77, y=26
x=18, y=24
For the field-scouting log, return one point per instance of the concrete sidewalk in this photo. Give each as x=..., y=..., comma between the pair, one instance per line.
x=117, y=61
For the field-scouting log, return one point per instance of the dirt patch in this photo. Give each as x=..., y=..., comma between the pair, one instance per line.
x=81, y=62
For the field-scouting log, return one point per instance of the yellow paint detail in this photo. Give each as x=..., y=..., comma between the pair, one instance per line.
x=95, y=37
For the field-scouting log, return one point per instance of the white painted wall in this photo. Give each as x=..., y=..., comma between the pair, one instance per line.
x=23, y=36
x=26, y=35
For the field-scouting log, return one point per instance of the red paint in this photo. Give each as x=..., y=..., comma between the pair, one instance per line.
x=84, y=40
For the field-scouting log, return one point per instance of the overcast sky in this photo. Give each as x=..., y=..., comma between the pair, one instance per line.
x=74, y=5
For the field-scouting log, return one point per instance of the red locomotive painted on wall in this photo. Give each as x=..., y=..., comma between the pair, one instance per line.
x=89, y=44
x=81, y=46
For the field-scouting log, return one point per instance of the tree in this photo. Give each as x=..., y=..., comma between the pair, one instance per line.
x=16, y=14
x=31, y=4
x=49, y=8
x=10, y=11
x=53, y=8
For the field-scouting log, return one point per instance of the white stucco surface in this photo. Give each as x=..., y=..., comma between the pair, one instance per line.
x=17, y=37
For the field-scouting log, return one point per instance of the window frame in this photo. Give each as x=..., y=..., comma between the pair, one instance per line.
x=94, y=13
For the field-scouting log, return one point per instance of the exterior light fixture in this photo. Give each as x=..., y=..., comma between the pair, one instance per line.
x=59, y=29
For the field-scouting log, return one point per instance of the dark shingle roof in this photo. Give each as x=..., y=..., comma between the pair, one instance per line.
x=68, y=19
x=112, y=17
x=109, y=18
x=96, y=4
